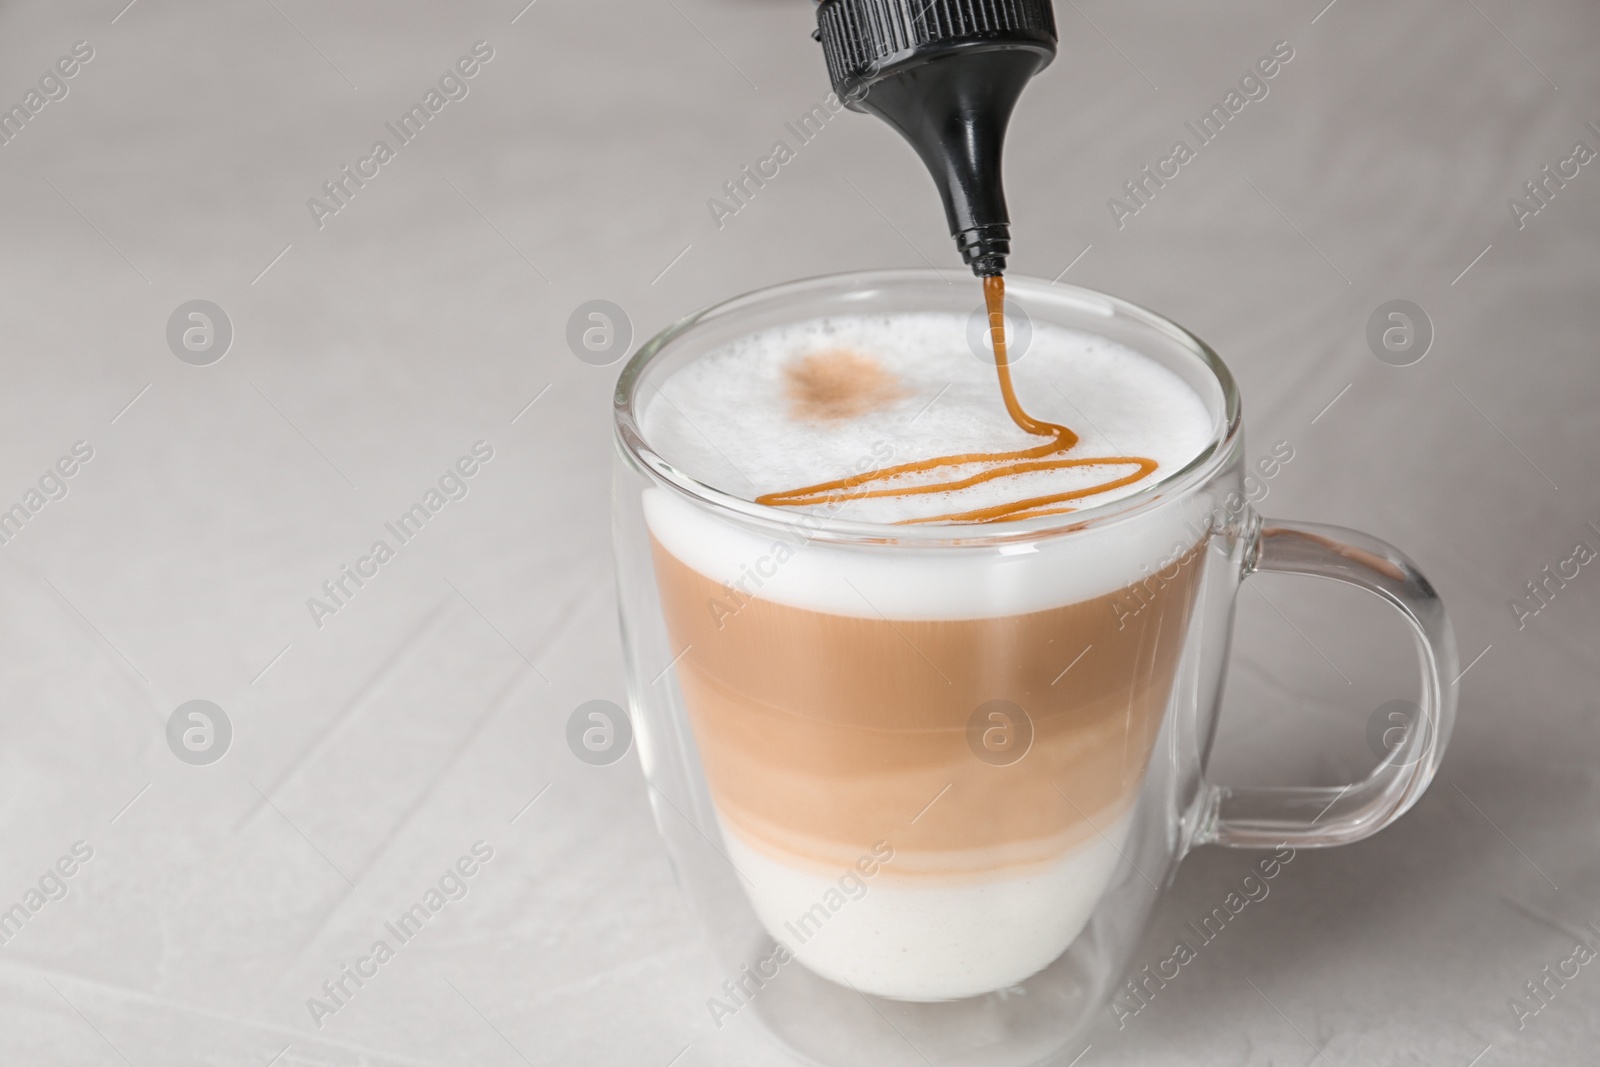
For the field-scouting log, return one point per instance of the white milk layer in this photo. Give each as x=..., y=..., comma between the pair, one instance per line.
x=729, y=419
x=920, y=939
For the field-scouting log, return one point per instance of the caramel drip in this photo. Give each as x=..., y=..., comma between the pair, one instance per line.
x=1048, y=456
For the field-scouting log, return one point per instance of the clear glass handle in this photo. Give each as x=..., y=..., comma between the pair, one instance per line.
x=1304, y=816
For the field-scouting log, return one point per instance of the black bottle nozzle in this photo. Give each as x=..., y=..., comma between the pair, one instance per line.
x=946, y=74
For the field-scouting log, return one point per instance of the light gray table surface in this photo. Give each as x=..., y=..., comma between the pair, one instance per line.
x=372, y=350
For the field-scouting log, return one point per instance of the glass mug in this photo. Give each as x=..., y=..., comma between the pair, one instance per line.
x=924, y=782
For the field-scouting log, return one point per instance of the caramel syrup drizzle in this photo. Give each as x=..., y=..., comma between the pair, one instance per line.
x=1047, y=456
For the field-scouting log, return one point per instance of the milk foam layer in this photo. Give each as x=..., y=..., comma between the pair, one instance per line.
x=923, y=582
x=908, y=939
x=728, y=420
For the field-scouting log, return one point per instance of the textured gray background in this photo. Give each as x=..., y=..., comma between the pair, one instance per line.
x=370, y=753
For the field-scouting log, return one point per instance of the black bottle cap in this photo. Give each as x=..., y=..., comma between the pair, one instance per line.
x=863, y=40
x=946, y=74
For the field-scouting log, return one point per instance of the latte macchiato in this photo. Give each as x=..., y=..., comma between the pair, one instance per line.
x=978, y=720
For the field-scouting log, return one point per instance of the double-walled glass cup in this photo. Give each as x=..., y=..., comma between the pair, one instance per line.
x=925, y=782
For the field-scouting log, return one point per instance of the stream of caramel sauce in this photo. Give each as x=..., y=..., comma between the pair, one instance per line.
x=1050, y=455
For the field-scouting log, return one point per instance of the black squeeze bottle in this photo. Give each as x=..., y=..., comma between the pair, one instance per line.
x=946, y=74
